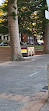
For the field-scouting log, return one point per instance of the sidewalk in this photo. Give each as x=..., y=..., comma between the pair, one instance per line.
x=45, y=107
x=37, y=102
x=33, y=103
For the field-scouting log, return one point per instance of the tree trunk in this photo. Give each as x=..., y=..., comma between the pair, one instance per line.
x=46, y=39
x=35, y=40
x=14, y=32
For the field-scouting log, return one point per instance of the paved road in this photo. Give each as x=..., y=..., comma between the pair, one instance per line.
x=21, y=80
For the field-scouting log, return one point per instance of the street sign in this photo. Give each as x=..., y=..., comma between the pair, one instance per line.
x=47, y=14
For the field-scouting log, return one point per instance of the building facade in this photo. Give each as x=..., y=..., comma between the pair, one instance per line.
x=4, y=37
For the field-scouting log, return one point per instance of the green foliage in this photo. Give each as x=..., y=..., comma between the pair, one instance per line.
x=25, y=9
x=13, y=15
x=26, y=17
x=11, y=1
x=41, y=20
x=4, y=17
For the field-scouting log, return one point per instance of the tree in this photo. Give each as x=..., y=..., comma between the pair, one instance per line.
x=25, y=9
x=26, y=17
x=14, y=30
x=25, y=12
x=43, y=25
x=3, y=19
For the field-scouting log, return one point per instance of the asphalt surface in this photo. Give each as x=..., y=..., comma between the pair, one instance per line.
x=25, y=78
x=45, y=107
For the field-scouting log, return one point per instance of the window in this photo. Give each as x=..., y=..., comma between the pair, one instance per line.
x=4, y=37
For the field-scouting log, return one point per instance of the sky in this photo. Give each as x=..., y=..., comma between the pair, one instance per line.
x=1, y=1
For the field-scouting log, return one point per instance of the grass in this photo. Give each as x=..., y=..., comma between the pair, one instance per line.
x=38, y=47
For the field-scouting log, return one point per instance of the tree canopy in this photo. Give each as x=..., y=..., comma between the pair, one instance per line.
x=3, y=19
x=30, y=16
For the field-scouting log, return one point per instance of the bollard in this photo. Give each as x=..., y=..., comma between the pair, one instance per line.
x=48, y=81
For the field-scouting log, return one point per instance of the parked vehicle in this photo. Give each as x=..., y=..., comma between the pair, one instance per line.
x=40, y=42
x=24, y=43
x=4, y=44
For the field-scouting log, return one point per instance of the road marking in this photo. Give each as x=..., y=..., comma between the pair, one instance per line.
x=33, y=74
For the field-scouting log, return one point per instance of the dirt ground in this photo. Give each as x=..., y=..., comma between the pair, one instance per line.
x=5, y=54
x=39, y=52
